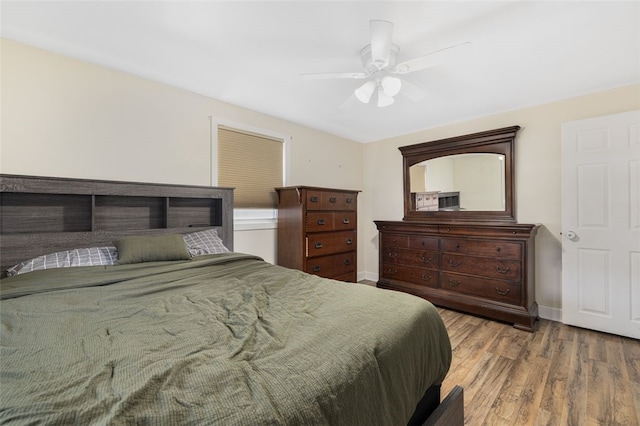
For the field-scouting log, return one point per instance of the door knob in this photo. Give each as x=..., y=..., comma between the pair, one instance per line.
x=571, y=235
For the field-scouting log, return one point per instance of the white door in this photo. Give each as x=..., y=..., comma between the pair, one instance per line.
x=601, y=223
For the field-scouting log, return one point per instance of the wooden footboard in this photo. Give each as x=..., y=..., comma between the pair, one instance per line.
x=450, y=412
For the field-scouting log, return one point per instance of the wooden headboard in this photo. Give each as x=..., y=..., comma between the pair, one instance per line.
x=40, y=215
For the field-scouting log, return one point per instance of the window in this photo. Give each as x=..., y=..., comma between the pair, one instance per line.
x=253, y=164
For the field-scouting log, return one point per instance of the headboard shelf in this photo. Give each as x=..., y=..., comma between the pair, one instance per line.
x=39, y=215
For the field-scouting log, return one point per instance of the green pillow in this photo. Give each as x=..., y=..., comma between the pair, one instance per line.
x=151, y=249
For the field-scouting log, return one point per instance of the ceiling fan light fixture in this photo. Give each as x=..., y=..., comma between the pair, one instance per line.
x=364, y=92
x=391, y=85
x=383, y=98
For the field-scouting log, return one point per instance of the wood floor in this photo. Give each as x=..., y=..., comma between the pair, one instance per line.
x=559, y=375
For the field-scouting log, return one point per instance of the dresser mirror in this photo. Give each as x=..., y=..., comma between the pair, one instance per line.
x=464, y=178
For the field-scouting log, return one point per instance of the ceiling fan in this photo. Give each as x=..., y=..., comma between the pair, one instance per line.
x=379, y=60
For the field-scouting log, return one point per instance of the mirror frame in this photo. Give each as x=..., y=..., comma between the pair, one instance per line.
x=498, y=141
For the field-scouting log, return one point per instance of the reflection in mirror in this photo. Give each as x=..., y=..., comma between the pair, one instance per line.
x=472, y=182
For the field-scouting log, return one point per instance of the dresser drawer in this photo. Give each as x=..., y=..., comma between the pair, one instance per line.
x=409, y=257
x=499, y=291
x=427, y=277
x=332, y=266
x=394, y=240
x=505, y=269
x=330, y=221
x=494, y=248
x=424, y=243
x=322, y=244
x=329, y=200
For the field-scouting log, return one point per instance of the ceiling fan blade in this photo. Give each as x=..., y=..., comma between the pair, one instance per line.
x=350, y=102
x=328, y=75
x=412, y=92
x=434, y=58
x=381, y=33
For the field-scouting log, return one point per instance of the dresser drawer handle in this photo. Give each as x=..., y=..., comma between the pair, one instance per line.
x=429, y=260
x=349, y=200
x=453, y=283
x=314, y=199
x=320, y=221
x=425, y=277
x=318, y=245
x=347, y=261
x=502, y=270
x=316, y=268
x=498, y=249
x=503, y=292
x=333, y=200
x=392, y=255
x=458, y=247
x=454, y=263
x=349, y=241
x=346, y=220
x=393, y=271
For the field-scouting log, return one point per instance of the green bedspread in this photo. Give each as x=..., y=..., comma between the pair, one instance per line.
x=222, y=339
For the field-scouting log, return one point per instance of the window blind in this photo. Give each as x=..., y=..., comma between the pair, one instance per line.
x=252, y=164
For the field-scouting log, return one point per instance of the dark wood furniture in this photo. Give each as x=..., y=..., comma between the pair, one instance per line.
x=317, y=231
x=40, y=215
x=477, y=268
x=480, y=262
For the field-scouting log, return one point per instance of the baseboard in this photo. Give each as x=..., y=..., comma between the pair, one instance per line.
x=371, y=276
x=553, y=314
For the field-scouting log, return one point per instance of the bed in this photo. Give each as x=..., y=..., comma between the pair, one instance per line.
x=175, y=332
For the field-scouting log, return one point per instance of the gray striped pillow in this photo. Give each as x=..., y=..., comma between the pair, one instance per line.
x=93, y=256
x=204, y=242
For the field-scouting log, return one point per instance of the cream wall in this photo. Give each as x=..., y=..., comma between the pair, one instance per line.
x=538, y=185
x=67, y=118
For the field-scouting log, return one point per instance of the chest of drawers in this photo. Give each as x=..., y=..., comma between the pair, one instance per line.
x=482, y=269
x=317, y=231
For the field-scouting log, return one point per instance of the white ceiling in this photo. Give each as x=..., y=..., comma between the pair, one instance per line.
x=252, y=54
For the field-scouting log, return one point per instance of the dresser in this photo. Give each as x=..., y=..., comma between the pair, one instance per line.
x=317, y=231
x=483, y=269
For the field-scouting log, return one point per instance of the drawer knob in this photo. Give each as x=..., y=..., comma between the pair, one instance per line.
x=426, y=260
x=454, y=263
x=349, y=240
x=503, y=292
x=345, y=220
x=498, y=249
x=314, y=199
x=316, y=268
x=320, y=221
x=393, y=271
x=392, y=254
x=347, y=261
x=333, y=200
x=349, y=200
x=425, y=277
x=502, y=269
x=454, y=283
x=319, y=245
